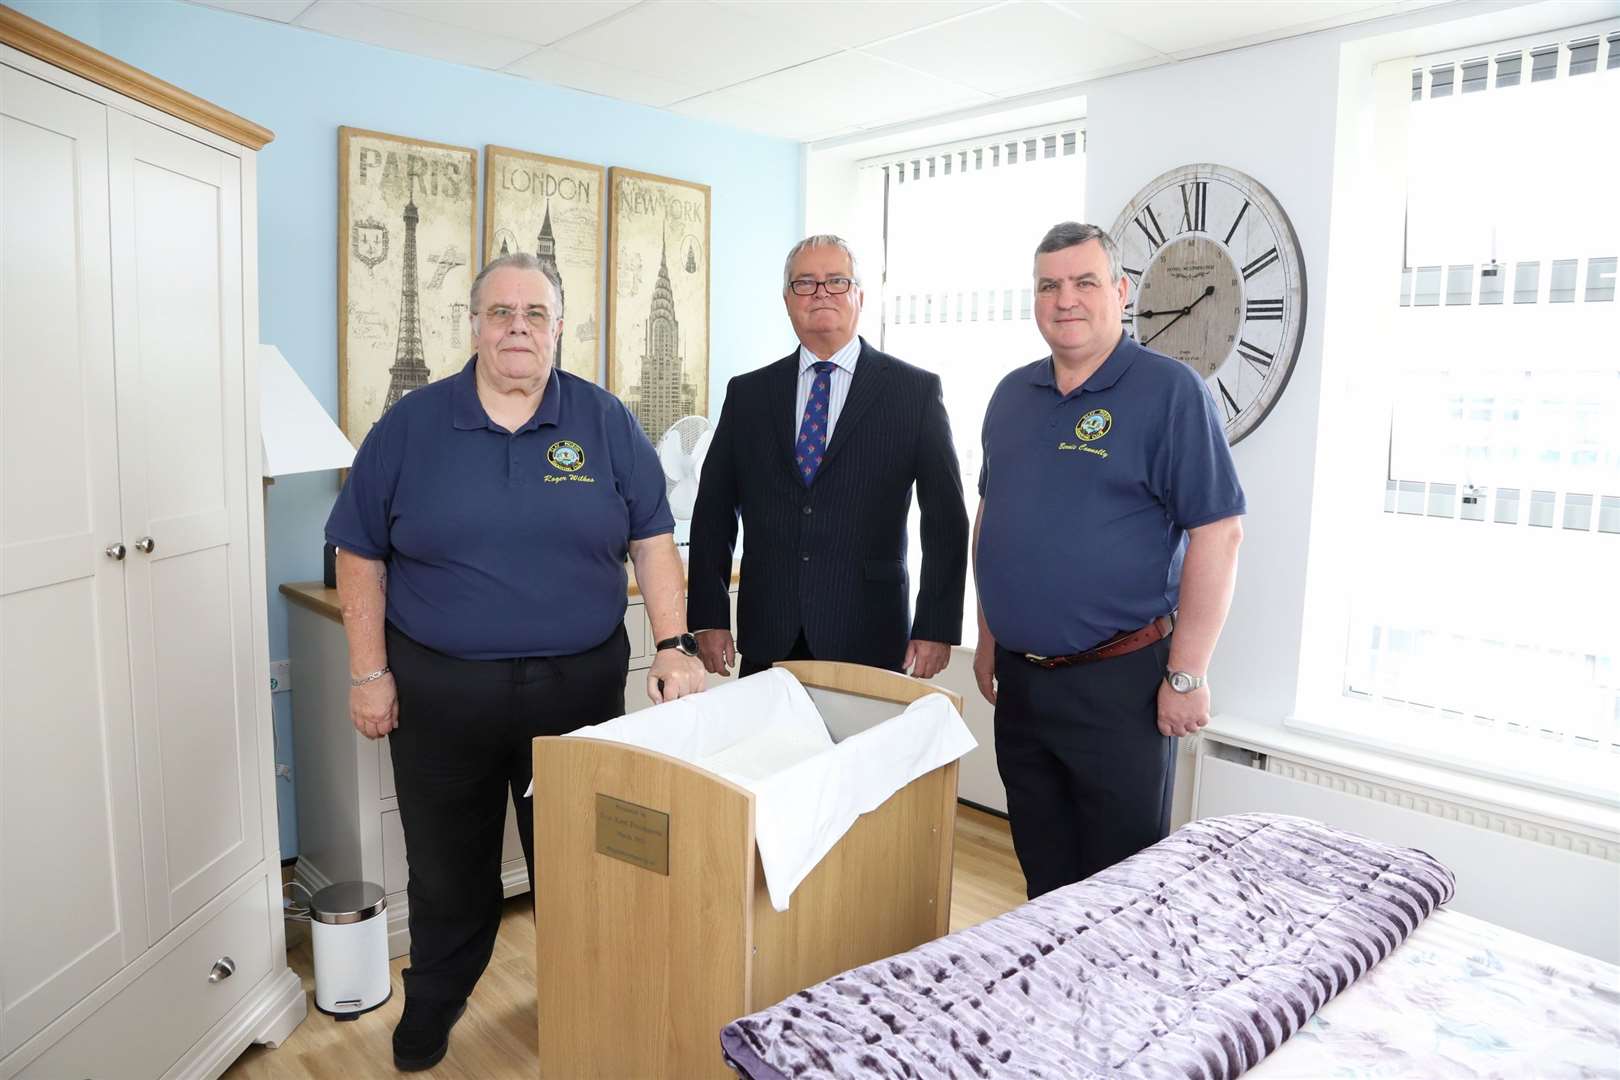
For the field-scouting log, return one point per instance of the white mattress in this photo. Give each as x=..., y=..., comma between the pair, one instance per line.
x=1464, y=998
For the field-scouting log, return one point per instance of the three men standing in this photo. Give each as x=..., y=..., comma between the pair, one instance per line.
x=1108, y=500
x=817, y=455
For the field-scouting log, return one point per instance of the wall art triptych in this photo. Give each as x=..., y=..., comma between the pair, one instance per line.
x=408, y=253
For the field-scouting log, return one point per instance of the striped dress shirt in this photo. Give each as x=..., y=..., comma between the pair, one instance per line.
x=842, y=373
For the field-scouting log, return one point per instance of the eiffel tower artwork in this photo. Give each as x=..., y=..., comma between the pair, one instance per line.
x=410, y=369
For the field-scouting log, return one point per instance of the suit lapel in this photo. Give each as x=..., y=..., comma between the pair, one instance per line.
x=871, y=371
x=781, y=392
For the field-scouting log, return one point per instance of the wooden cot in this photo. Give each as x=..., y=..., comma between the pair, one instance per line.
x=637, y=968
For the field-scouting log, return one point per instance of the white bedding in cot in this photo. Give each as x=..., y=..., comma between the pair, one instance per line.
x=1462, y=998
x=764, y=733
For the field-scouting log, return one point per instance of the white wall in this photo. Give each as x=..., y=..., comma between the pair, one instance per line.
x=1268, y=111
x=1274, y=112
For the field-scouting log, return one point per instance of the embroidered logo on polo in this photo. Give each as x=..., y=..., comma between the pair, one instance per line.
x=1094, y=425
x=566, y=456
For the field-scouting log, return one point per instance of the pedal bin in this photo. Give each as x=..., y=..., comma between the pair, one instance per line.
x=348, y=925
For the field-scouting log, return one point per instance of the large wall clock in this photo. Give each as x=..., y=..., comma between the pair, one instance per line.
x=1218, y=282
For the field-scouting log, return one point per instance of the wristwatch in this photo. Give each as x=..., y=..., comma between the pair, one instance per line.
x=685, y=643
x=1183, y=683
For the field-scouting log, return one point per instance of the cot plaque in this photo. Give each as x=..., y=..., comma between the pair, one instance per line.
x=633, y=834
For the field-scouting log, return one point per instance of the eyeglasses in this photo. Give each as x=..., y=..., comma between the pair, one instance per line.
x=501, y=315
x=835, y=286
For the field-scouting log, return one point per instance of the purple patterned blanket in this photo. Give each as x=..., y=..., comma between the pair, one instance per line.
x=1195, y=958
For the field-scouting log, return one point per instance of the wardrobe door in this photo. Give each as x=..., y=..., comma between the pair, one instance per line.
x=70, y=847
x=177, y=274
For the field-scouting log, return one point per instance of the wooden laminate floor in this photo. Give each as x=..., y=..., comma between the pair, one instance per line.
x=497, y=1037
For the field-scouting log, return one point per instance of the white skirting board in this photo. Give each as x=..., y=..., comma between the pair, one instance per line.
x=1535, y=886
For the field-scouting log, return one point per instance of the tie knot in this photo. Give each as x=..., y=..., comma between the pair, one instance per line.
x=823, y=366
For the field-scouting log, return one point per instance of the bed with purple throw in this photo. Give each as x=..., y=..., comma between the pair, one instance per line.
x=1194, y=958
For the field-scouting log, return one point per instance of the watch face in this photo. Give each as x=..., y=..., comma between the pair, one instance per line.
x=1181, y=682
x=1217, y=282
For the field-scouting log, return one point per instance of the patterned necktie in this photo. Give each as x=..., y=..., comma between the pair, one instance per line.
x=812, y=444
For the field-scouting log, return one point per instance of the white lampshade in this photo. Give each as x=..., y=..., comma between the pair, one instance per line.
x=295, y=434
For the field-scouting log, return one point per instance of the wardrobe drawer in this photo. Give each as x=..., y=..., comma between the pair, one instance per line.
x=396, y=871
x=141, y=1032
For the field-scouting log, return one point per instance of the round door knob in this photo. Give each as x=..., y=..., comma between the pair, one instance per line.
x=116, y=551
x=145, y=545
x=223, y=969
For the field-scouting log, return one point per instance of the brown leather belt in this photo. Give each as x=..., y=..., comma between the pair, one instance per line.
x=1118, y=645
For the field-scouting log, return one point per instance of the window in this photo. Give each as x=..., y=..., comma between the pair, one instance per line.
x=1482, y=610
x=959, y=246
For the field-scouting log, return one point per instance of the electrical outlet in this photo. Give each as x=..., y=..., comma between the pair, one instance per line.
x=280, y=676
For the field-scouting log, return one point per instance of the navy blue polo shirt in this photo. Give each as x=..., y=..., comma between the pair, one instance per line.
x=1088, y=497
x=503, y=544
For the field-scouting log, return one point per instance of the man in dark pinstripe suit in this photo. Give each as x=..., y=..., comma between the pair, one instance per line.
x=817, y=455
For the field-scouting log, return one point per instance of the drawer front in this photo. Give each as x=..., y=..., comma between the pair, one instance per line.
x=385, y=768
x=635, y=625
x=396, y=871
x=146, y=1028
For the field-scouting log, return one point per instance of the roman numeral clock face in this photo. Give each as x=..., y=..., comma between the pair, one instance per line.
x=1218, y=282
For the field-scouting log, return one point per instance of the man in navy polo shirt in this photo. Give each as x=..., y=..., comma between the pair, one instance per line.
x=482, y=535
x=1107, y=501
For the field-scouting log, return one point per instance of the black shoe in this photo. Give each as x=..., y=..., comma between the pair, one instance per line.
x=423, y=1034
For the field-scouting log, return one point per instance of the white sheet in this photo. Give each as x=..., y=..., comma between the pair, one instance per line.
x=763, y=733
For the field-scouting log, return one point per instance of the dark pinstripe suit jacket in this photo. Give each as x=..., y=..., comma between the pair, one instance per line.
x=830, y=559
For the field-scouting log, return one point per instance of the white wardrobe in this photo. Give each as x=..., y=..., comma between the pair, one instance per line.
x=141, y=931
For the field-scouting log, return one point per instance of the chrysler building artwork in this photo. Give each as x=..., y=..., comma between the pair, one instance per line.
x=658, y=275
x=663, y=394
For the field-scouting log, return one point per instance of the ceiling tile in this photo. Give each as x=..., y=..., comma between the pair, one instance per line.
x=1195, y=27
x=829, y=97
x=856, y=22
x=539, y=23
x=1035, y=46
x=696, y=42
x=391, y=30
x=275, y=10
x=552, y=66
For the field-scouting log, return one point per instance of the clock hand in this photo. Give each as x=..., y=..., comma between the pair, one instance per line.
x=1182, y=314
x=1209, y=290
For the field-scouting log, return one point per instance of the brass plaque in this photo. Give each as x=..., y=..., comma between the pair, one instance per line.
x=632, y=834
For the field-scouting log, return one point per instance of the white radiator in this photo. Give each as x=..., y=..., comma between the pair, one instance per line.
x=1540, y=877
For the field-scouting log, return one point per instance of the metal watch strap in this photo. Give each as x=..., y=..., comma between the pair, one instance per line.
x=373, y=677
x=1196, y=680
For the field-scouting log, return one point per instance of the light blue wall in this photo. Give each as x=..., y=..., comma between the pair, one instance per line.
x=303, y=86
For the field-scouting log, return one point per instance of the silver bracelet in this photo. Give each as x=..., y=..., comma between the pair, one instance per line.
x=373, y=677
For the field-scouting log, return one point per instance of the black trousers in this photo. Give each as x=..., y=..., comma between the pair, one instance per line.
x=463, y=743
x=800, y=651
x=1088, y=776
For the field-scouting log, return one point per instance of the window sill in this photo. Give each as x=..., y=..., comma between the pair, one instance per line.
x=1587, y=799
